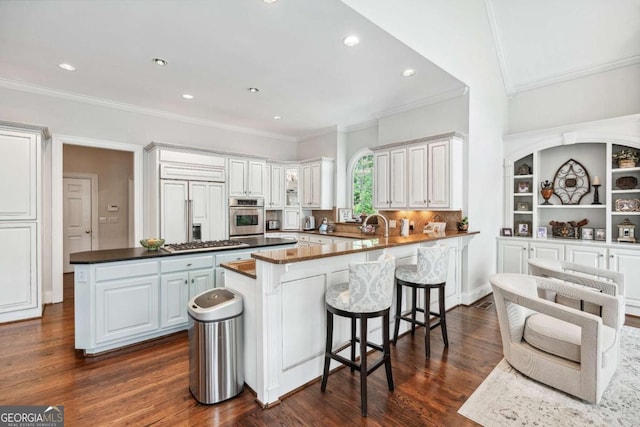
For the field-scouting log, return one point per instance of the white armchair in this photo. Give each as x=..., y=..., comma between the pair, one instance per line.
x=565, y=348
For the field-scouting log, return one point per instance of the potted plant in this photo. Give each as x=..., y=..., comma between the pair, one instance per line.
x=463, y=225
x=627, y=158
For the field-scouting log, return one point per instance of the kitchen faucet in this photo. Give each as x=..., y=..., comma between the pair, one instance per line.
x=386, y=223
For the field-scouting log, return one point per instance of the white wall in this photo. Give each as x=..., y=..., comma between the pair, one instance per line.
x=361, y=138
x=610, y=94
x=69, y=117
x=456, y=36
x=447, y=116
x=323, y=145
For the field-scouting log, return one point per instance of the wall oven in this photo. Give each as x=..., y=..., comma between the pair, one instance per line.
x=246, y=216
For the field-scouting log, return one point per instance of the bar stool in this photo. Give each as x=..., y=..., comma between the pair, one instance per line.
x=368, y=294
x=430, y=273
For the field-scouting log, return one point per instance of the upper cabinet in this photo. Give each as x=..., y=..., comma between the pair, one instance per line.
x=390, y=179
x=19, y=174
x=421, y=174
x=292, y=186
x=317, y=184
x=274, y=186
x=247, y=178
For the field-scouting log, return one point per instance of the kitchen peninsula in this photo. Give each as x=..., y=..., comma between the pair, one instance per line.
x=125, y=296
x=284, y=315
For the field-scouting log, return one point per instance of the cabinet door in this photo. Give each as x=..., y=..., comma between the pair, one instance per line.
x=307, y=189
x=512, y=256
x=292, y=186
x=125, y=308
x=417, y=176
x=546, y=250
x=208, y=208
x=237, y=176
x=200, y=281
x=174, y=296
x=627, y=262
x=381, y=173
x=320, y=240
x=291, y=219
x=18, y=175
x=316, y=185
x=398, y=178
x=18, y=267
x=584, y=255
x=275, y=184
x=439, y=175
x=255, y=178
x=173, y=210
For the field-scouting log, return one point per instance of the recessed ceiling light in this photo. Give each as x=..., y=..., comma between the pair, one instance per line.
x=409, y=72
x=187, y=96
x=269, y=1
x=253, y=90
x=67, y=67
x=277, y=117
x=159, y=61
x=350, y=41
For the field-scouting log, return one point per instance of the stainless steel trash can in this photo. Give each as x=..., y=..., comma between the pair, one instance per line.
x=216, y=359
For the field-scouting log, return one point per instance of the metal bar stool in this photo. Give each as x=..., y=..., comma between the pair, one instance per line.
x=368, y=294
x=429, y=273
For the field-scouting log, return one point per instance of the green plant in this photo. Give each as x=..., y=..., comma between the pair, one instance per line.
x=464, y=221
x=626, y=155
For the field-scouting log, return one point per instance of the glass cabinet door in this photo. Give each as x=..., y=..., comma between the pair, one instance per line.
x=292, y=186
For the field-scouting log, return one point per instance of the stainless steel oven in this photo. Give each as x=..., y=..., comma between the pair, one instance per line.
x=246, y=216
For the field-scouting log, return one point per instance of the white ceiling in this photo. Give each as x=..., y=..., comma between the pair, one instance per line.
x=291, y=50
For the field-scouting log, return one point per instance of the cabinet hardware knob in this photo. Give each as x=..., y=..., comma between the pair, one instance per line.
x=610, y=256
x=524, y=249
x=87, y=231
x=189, y=265
x=600, y=255
x=193, y=280
x=185, y=281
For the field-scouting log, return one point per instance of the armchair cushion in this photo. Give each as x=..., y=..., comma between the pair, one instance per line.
x=561, y=338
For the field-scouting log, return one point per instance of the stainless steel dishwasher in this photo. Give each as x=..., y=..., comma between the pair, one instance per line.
x=216, y=358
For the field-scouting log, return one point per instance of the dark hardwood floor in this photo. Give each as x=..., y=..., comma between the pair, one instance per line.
x=149, y=384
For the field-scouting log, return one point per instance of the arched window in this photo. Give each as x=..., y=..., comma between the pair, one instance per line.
x=362, y=185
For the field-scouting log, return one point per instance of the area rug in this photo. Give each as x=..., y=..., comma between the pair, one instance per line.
x=508, y=398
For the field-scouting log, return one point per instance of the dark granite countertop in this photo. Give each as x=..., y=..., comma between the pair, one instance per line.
x=129, y=254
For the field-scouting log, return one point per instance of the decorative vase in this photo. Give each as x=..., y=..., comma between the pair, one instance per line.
x=626, y=163
x=546, y=191
x=463, y=227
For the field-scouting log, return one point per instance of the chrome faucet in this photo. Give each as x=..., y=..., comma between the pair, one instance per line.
x=386, y=223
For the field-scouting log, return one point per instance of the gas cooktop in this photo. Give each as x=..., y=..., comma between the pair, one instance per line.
x=210, y=245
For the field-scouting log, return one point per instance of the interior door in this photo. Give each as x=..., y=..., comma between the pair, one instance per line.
x=76, y=217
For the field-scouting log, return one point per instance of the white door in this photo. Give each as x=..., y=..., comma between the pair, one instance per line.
x=237, y=176
x=208, y=209
x=512, y=256
x=173, y=211
x=381, y=180
x=76, y=217
x=438, y=175
x=418, y=157
x=398, y=178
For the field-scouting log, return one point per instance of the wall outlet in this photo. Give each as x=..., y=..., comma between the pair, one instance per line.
x=392, y=223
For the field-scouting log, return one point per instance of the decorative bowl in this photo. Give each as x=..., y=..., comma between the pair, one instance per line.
x=626, y=182
x=152, y=244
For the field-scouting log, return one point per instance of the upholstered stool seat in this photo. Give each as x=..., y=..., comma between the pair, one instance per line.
x=429, y=273
x=368, y=294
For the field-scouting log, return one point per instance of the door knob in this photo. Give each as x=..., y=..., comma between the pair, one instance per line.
x=87, y=231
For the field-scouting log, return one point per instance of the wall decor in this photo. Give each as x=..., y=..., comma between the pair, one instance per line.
x=587, y=233
x=571, y=182
x=522, y=206
x=345, y=215
x=546, y=191
x=523, y=187
x=628, y=205
x=524, y=229
x=525, y=169
x=600, y=234
x=626, y=231
x=506, y=232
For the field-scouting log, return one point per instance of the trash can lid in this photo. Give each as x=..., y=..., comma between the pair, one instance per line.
x=215, y=304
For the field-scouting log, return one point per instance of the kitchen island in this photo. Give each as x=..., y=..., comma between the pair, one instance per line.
x=125, y=296
x=284, y=313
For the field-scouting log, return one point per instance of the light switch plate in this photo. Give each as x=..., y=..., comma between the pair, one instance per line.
x=113, y=220
x=102, y=220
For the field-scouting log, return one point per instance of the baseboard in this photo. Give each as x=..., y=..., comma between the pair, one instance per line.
x=469, y=298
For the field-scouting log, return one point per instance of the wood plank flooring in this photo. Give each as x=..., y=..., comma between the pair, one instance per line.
x=149, y=384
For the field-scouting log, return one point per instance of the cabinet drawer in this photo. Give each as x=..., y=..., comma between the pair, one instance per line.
x=237, y=256
x=186, y=263
x=126, y=270
x=303, y=237
x=320, y=240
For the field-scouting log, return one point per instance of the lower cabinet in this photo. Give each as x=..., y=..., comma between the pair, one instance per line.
x=177, y=289
x=514, y=253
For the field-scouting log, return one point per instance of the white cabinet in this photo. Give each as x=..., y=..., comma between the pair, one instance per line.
x=514, y=254
x=587, y=255
x=291, y=219
x=19, y=161
x=292, y=186
x=317, y=184
x=389, y=179
x=247, y=178
x=421, y=174
x=177, y=289
x=19, y=270
x=627, y=261
x=186, y=205
x=274, y=186
x=320, y=240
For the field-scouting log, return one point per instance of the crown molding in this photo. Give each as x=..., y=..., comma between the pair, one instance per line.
x=429, y=100
x=497, y=41
x=578, y=73
x=101, y=102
